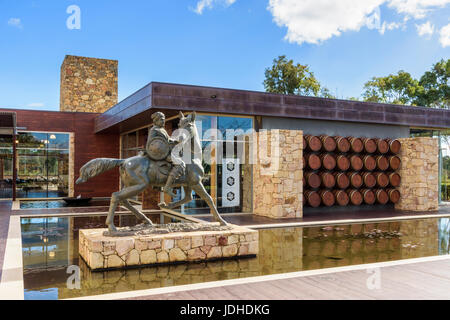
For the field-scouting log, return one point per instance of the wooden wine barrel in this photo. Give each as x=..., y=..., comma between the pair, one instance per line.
x=304, y=198
x=342, y=180
x=369, y=179
x=369, y=145
x=394, y=195
x=341, y=197
x=369, y=162
x=312, y=180
x=313, y=161
x=394, y=145
x=342, y=144
x=327, y=197
x=394, y=162
x=356, y=144
x=356, y=162
x=382, y=146
x=328, y=161
x=355, y=179
x=313, y=143
x=328, y=143
x=382, y=163
x=381, y=196
x=382, y=179
x=355, y=197
x=304, y=181
x=312, y=198
x=394, y=179
x=328, y=180
x=368, y=196
x=305, y=143
x=342, y=162
x=303, y=162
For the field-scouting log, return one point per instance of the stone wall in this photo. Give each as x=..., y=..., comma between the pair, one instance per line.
x=88, y=84
x=420, y=174
x=103, y=252
x=278, y=173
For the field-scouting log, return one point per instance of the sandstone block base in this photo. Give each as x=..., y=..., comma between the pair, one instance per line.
x=102, y=252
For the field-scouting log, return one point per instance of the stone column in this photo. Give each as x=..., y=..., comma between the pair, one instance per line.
x=420, y=174
x=278, y=173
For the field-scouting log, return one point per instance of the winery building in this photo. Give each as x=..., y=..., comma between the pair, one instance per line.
x=332, y=153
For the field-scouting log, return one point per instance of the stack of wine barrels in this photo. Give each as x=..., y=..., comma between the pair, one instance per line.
x=350, y=171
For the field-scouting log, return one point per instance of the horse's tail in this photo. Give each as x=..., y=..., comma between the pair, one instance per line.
x=96, y=166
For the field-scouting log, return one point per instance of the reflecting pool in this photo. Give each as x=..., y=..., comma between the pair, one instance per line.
x=50, y=246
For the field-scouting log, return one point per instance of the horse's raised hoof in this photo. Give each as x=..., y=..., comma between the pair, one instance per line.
x=163, y=205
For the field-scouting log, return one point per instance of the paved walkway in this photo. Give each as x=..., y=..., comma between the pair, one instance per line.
x=422, y=280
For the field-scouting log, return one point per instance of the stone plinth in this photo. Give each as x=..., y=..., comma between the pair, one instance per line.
x=420, y=174
x=278, y=173
x=103, y=252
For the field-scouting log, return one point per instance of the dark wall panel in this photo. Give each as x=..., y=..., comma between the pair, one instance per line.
x=88, y=145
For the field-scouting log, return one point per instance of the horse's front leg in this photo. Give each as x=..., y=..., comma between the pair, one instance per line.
x=187, y=198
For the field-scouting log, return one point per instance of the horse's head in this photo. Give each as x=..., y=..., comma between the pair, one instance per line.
x=188, y=123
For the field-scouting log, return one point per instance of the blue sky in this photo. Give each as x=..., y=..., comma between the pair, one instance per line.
x=224, y=43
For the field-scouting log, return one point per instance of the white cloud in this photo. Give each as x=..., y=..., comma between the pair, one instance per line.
x=35, y=105
x=444, y=38
x=208, y=4
x=314, y=21
x=417, y=9
x=15, y=22
x=390, y=26
x=425, y=29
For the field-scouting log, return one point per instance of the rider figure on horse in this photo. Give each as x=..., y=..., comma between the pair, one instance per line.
x=178, y=165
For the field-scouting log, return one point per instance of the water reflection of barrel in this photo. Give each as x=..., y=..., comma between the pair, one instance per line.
x=394, y=195
x=355, y=197
x=394, y=179
x=356, y=144
x=382, y=163
x=394, y=162
x=342, y=144
x=381, y=196
x=356, y=162
x=312, y=180
x=313, y=143
x=341, y=197
x=328, y=143
x=355, y=179
x=327, y=197
x=328, y=161
x=369, y=179
x=382, y=146
x=328, y=180
x=313, y=161
x=312, y=198
x=369, y=145
x=369, y=162
x=394, y=145
x=382, y=179
x=368, y=196
x=342, y=162
x=342, y=180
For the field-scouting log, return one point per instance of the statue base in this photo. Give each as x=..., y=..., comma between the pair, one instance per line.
x=207, y=242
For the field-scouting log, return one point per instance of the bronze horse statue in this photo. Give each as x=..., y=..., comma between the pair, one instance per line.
x=140, y=172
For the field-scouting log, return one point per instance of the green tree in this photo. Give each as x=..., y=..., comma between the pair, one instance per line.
x=431, y=90
x=397, y=88
x=435, y=90
x=288, y=78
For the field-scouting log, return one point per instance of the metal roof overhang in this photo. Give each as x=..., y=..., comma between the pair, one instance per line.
x=135, y=111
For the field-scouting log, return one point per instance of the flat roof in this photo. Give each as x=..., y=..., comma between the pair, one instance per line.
x=135, y=110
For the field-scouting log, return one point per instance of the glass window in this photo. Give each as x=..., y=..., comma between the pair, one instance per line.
x=43, y=165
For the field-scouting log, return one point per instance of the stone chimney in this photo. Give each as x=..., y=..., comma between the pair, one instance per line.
x=88, y=84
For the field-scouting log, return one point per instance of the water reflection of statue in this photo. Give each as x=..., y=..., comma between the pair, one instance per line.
x=159, y=143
